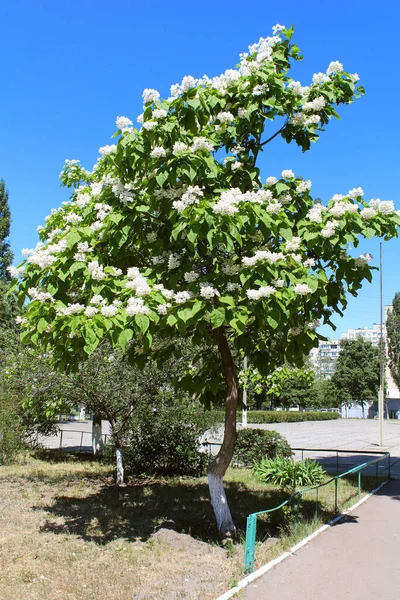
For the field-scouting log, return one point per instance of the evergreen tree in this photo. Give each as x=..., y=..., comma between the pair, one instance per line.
x=393, y=338
x=6, y=256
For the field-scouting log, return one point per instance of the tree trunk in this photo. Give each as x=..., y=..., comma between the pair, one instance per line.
x=221, y=462
x=120, y=466
x=97, y=438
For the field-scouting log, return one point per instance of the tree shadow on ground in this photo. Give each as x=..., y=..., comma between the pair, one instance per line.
x=136, y=511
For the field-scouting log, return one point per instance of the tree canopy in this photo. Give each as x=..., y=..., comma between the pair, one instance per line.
x=176, y=232
x=393, y=338
x=357, y=371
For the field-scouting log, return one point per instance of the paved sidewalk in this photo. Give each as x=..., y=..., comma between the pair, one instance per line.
x=356, y=559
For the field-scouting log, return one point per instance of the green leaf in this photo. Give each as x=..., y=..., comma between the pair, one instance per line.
x=42, y=324
x=143, y=322
x=217, y=317
x=124, y=337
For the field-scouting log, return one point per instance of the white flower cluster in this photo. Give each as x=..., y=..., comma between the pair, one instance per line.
x=162, y=309
x=16, y=271
x=174, y=260
x=158, y=152
x=303, y=186
x=73, y=218
x=263, y=292
x=230, y=269
x=227, y=204
x=71, y=309
x=287, y=174
x=314, y=324
x=334, y=67
x=96, y=270
x=315, y=213
x=385, y=207
x=83, y=249
x=124, y=124
x=207, y=291
x=182, y=297
x=159, y=113
x=150, y=125
x=191, y=276
x=298, y=88
x=137, y=282
x=295, y=331
x=302, y=289
x=191, y=196
x=179, y=147
x=314, y=105
x=232, y=287
x=329, y=230
x=355, y=193
x=320, y=78
x=293, y=244
x=150, y=95
x=225, y=117
x=108, y=149
x=261, y=255
x=37, y=294
x=109, y=311
x=363, y=259
x=201, y=143
x=136, y=306
x=340, y=208
x=310, y=262
x=123, y=191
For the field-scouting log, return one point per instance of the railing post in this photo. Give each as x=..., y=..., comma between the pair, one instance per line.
x=359, y=484
x=302, y=456
x=297, y=510
x=61, y=436
x=251, y=530
x=316, y=503
x=337, y=462
x=376, y=470
x=80, y=447
x=336, y=494
x=389, y=464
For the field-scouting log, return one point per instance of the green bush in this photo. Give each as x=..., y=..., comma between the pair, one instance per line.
x=11, y=432
x=163, y=439
x=255, y=444
x=286, y=473
x=283, y=416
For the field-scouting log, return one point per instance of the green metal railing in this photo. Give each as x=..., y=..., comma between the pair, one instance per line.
x=251, y=527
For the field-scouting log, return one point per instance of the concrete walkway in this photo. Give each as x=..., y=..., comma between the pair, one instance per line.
x=356, y=559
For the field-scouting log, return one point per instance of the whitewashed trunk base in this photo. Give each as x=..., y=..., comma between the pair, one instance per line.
x=225, y=524
x=97, y=440
x=120, y=467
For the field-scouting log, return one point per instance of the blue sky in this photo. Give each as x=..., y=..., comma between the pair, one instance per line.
x=69, y=68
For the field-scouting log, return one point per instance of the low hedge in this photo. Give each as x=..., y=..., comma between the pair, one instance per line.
x=278, y=416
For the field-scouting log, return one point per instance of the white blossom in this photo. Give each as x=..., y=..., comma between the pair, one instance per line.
x=262, y=292
x=367, y=213
x=96, y=271
x=150, y=95
x=309, y=262
x=109, y=149
x=73, y=218
x=287, y=174
x=191, y=196
x=97, y=300
x=302, y=289
x=16, y=271
x=363, y=259
x=355, y=193
x=123, y=123
x=159, y=113
x=293, y=244
x=303, y=186
x=174, y=260
x=314, y=324
x=109, y=311
x=208, y=291
x=225, y=117
x=320, y=78
x=90, y=311
x=295, y=331
x=236, y=165
x=182, y=297
x=158, y=152
x=162, y=309
x=271, y=181
x=149, y=125
x=191, y=276
x=298, y=119
x=179, y=147
x=201, y=143
x=314, y=105
x=136, y=306
x=334, y=67
x=231, y=287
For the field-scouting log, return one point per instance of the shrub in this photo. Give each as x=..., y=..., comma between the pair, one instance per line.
x=253, y=445
x=11, y=432
x=283, y=416
x=286, y=473
x=164, y=439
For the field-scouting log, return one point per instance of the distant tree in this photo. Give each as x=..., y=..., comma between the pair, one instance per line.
x=356, y=377
x=393, y=338
x=323, y=394
x=6, y=256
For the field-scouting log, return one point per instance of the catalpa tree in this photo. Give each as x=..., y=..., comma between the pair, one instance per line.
x=176, y=233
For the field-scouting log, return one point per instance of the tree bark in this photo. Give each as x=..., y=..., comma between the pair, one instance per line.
x=221, y=462
x=97, y=438
x=120, y=466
